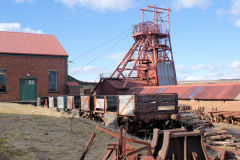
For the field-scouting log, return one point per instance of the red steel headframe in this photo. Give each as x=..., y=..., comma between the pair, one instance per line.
x=152, y=46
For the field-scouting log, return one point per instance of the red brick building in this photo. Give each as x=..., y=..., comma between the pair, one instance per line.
x=31, y=65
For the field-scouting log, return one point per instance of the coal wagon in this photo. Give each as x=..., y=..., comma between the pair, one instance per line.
x=132, y=111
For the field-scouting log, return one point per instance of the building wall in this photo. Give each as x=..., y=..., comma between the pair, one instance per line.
x=80, y=90
x=18, y=66
x=74, y=90
x=105, y=89
x=212, y=105
x=84, y=89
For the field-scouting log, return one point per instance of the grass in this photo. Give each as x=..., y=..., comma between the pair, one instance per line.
x=34, y=133
x=7, y=152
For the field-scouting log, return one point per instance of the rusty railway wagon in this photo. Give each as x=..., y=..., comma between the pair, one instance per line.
x=135, y=112
x=131, y=111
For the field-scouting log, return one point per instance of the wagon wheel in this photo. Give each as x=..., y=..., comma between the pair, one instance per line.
x=128, y=126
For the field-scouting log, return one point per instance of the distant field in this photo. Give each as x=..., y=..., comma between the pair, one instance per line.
x=209, y=81
x=34, y=133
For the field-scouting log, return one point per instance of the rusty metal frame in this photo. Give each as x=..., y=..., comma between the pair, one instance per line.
x=183, y=136
x=169, y=139
x=149, y=36
x=90, y=141
x=121, y=148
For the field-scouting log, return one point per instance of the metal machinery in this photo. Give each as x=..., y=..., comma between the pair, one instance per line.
x=177, y=144
x=150, y=58
x=165, y=145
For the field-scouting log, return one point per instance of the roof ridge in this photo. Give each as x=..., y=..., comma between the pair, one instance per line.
x=191, y=85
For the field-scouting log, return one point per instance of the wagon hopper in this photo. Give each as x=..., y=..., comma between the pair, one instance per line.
x=132, y=111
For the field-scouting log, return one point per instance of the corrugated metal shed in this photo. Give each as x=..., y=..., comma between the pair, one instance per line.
x=224, y=91
x=166, y=74
x=227, y=91
x=30, y=44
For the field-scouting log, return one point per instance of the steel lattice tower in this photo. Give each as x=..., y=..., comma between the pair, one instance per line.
x=150, y=58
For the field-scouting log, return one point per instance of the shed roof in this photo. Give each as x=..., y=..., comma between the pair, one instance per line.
x=115, y=85
x=225, y=91
x=118, y=83
x=30, y=44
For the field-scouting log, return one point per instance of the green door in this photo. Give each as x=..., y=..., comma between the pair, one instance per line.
x=28, y=89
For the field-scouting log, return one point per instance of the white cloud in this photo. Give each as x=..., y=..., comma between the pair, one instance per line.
x=194, y=78
x=208, y=72
x=215, y=75
x=116, y=5
x=22, y=1
x=211, y=66
x=203, y=4
x=114, y=56
x=221, y=12
x=235, y=8
x=206, y=76
x=197, y=67
x=95, y=81
x=233, y=12
x=16, y=27
x=87, y=69
x=237, y=23
x=181, y=69
x=180, y=66
x=235, y=64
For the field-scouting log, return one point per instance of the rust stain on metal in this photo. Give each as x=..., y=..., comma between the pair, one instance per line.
x=88, y=146
x=166, y=144
x=226, y=91
x=123, y=150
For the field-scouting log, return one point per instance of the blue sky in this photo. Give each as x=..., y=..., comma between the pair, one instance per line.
x=205, y=34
